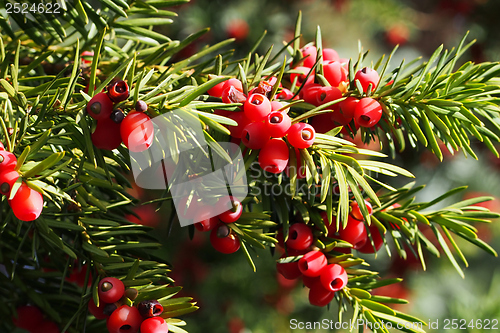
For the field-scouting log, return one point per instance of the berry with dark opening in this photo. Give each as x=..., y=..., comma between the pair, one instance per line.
x=125, y=319
x=7, y=180
x=154, y=325
x=367, y=112
x=100, y=106
x=301, y=135
x=150, y=308
x=277, y=124
x=367, y=76
x=312, y=263
x=300, y=236
x=118, y=91
x=308, y=93
x=257, y=107
x=327, y=94
x=273, y=157
x=27, y=204
x=333, y=277
x=110, y=290
x=224, y=240
x=207, y=224
x=255, y=135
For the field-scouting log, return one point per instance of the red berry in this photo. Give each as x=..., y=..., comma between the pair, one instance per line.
x=327, y=94
x=207, y=224
x=257, y=107
x=300, y=236
x=345, y=111
x=125, y=319
x=231, y=208
x=230, y=94
x=110, y=290
x=28, y=317
x=302, y=76
x=308, y=93
x=309, y=281
x=330, y=54
x=233, y=83
x=2, y=147
x=224, y=240
x=255, y=135
x=322, y=123
x=275, y=105
x=118, y=91
x=100, y=106
x=137, y=131
x=154, y=325
x=97, y=312
x=356, y=211
x=87, y=57
x=312, y=263
x=377, y=238
x=242, y=120
x=186, y=211
x=47, y=326
x=368, y=112
x=277, y=124
x=333, y=277
x=354, y=233
x=273, y=157
x=289, y=270
x=284, y=94
x=216, y=91
x=7, y=180
x=8, y=160
x=107, y=134
x=335, y=74
x=311, y=53
x=367, y=76
x=319, y=296
x=150, y=308
x=27, y=204
x=301, y=135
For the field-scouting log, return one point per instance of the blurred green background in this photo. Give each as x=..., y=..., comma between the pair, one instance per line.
x=235, y=300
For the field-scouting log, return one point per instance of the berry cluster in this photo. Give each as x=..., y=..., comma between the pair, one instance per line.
x=222, y=237
x=120, y=317
x=263, y=124
x=366, y=112
x=30, y=318
x=113, y=127
x=321, y=277
x=27, y=204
